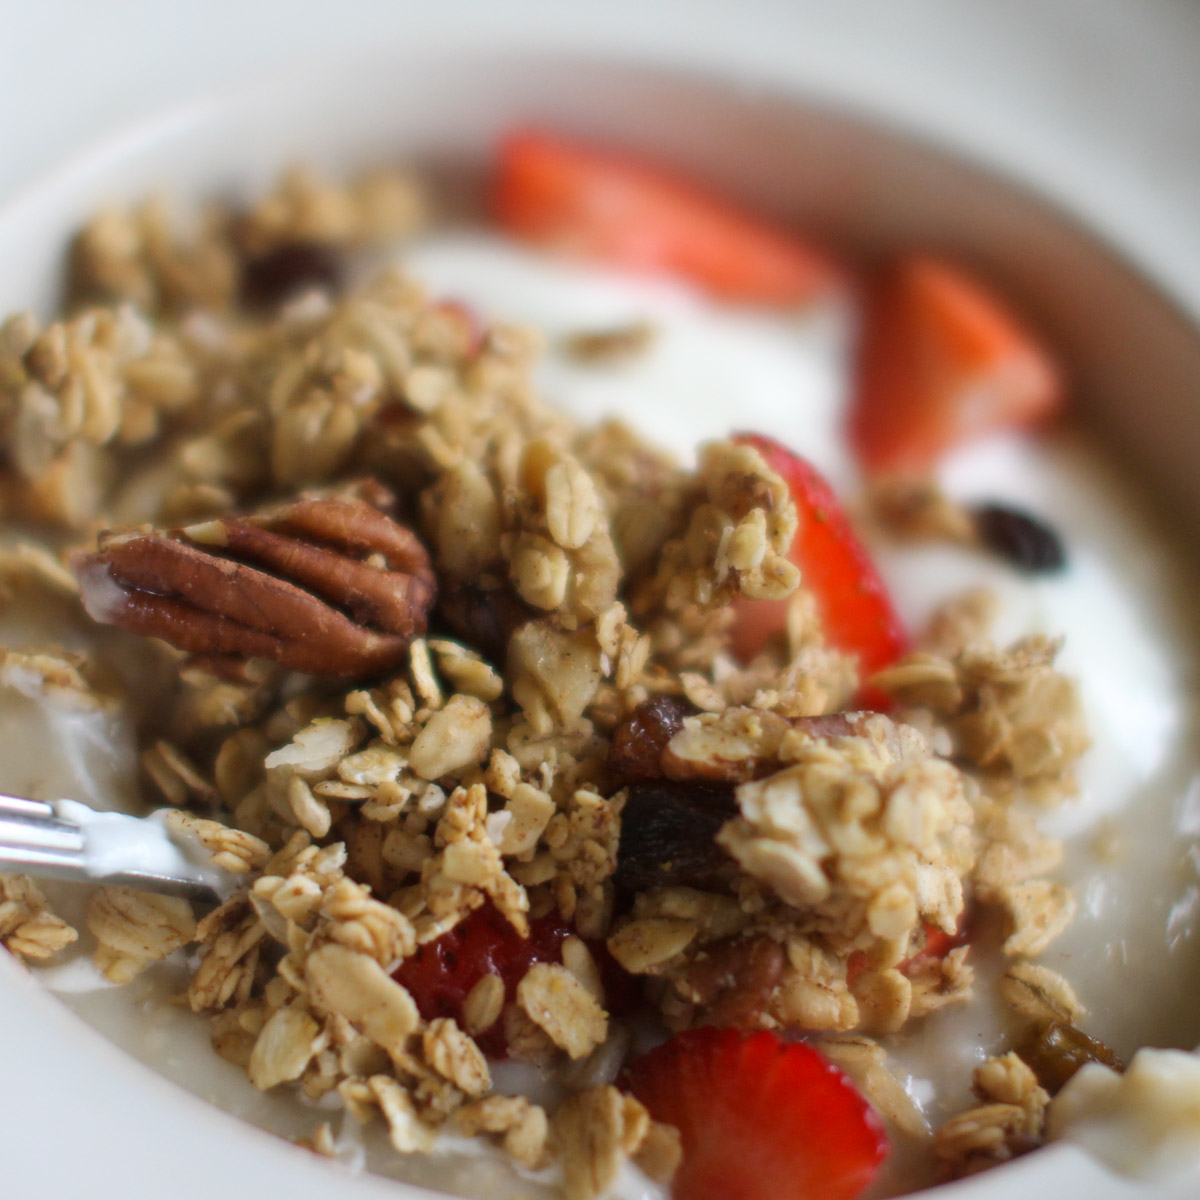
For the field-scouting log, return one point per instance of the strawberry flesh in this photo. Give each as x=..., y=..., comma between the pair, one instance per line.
x=759, y=1118
x=941, y=361
x=441, y=974
x=856, y=611
x=613, y=208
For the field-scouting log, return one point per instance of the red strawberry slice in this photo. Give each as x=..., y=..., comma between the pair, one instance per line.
x=760, y=1118
x=613, y=208
x=941, y=361
x=441, y=973
x=855, y=608
x=938, y=943
x=935, y=944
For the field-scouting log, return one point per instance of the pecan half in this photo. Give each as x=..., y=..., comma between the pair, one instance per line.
x=732, y=981
x=330, y=586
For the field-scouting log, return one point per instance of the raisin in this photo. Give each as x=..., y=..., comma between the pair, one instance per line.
x=668, y=831
x=1054, y=1053
x=284, y=272
x=485, y=618
x=1026, y=542
x=639, y=741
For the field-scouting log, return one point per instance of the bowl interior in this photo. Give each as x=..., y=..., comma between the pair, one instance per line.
x=1135, y=362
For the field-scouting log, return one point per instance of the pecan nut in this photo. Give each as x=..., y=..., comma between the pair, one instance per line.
x=330, y=586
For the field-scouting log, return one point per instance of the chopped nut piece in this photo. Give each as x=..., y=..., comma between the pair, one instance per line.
x=283, y=1049
x=455, y=737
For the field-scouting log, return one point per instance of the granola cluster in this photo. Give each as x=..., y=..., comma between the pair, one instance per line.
x=582, y=577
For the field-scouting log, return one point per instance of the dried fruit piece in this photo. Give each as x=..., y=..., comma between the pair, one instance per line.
x=760, y=1118
x=855, y=609
x=941, y=361
x=328, y=586
x=442, y=973
x=616, y=209
x=639, y=741
x=1025, y=541
x=284, y=271
x=484, y=617
x=667, y=832
x=1056, y=1052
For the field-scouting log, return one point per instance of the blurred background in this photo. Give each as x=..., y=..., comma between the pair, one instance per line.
x=1093, y=102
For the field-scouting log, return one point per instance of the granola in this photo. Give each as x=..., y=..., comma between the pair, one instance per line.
x=359, y=484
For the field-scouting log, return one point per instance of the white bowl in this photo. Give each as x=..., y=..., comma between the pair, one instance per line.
x=77, y=1112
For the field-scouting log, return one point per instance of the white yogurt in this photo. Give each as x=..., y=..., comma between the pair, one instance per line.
x=1144, y=1123
x=115, y=843
x=1123, y=606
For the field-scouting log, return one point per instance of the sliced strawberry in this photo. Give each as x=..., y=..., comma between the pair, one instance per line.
x=938, y=943
x=607, y=206
x=442, y=973
x=760, y=1118
x=941, y=361
x=854, y=606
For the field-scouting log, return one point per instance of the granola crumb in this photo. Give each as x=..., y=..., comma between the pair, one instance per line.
x=29, y=928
